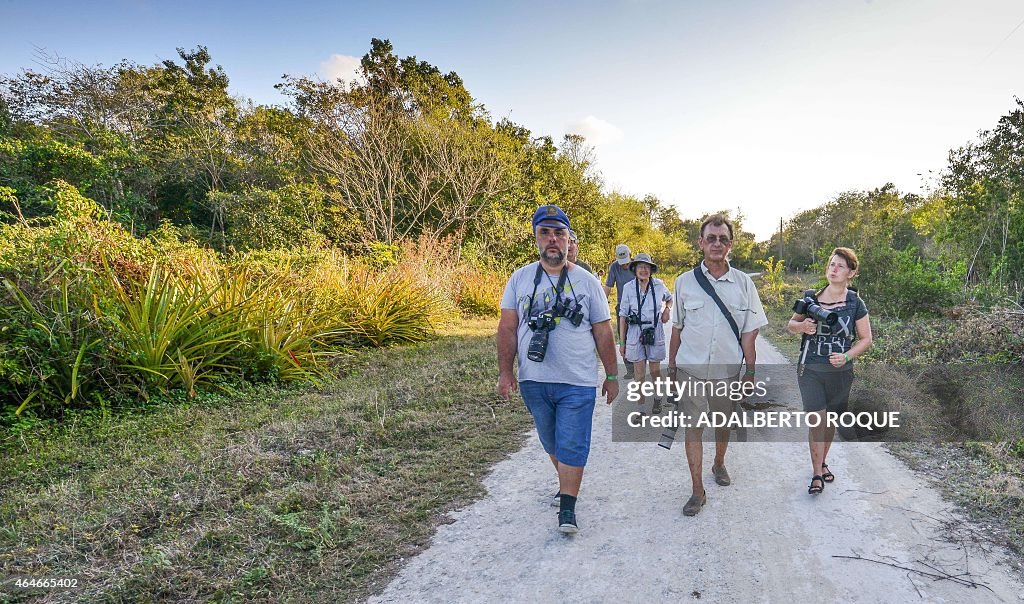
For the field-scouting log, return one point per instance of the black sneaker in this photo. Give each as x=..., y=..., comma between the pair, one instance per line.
x=567, y=522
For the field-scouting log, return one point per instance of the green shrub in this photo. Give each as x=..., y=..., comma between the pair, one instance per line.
x=90, y=313
x=903, y=284
x=49, y=346
x=388, y=309
x=480, y=293
x=167, y=331
x=772, y=285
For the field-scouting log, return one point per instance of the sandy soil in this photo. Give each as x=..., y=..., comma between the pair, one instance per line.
x=763, y=539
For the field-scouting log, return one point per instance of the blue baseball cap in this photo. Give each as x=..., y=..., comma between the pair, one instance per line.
x=550, y=215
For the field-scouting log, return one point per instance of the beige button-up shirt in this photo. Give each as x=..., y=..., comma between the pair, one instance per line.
x=708, y=347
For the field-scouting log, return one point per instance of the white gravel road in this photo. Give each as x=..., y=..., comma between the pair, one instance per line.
x=763, y=539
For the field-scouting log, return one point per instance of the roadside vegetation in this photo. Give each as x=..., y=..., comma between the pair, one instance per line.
x=261, y=492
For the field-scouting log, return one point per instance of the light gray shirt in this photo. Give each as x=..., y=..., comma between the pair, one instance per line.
x=708, y=348
x=649, y=312
x=570, y=357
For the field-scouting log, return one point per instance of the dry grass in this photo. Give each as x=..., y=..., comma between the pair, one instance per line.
x=264, y=495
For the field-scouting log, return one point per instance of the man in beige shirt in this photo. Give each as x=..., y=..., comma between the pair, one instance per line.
x=703, y=345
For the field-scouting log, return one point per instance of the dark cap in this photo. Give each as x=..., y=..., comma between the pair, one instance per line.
x=550, y=215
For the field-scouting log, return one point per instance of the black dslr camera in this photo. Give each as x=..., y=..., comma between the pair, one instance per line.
x=571, y=310
x=646, y=333
x=809, y=307
x=541, y=325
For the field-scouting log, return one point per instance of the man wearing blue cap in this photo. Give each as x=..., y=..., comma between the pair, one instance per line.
x=554, y=315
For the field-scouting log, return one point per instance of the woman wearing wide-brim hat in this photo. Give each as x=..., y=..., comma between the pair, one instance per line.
x=646, y=304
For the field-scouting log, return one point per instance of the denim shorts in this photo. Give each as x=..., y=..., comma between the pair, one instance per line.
x=563, y=414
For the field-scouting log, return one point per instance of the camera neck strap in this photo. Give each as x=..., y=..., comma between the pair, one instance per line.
x=640, y=309
x=705, y=284
x=558, y=288
x=640, y=301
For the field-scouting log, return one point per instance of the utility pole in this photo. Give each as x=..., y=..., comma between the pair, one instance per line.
x=780, y=239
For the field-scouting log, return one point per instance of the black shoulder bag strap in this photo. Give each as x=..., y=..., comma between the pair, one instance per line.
x=702, y=280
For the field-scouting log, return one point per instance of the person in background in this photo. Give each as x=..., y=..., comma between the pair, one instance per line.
x=574, y=252
x=619, y=275
x=646, y=304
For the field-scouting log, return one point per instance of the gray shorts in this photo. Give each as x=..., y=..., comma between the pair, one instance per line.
x=639, y=352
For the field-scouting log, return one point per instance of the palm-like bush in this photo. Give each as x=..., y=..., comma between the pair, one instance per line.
x=170, y=332
x=49, y=344
x=381, y=309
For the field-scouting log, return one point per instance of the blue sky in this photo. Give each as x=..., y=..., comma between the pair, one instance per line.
x=769, y=107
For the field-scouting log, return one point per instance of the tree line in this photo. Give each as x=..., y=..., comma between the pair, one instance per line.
x=403, y=152
x=962, y=241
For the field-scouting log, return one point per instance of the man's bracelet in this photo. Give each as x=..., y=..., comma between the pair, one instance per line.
x=611, y=377
x=749, y=372
x=847, y=357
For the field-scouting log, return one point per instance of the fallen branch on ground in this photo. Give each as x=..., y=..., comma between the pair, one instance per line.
x=938, y=576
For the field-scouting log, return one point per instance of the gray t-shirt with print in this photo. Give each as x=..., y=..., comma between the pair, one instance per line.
x=835, y=338
x=570, y=357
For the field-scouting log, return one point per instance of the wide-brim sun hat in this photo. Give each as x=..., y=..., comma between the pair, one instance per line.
x=646, y=259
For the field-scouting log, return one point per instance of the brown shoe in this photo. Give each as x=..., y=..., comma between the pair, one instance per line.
x=694, y=504
x=721, y=475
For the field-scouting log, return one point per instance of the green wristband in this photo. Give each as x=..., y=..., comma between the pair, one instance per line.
x=847, y=357
x=611, y=377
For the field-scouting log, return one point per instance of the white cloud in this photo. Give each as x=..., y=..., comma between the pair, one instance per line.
x=596, y=131
x=342, y=67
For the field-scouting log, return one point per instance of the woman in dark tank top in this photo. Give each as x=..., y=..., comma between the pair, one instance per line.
x=825, y=372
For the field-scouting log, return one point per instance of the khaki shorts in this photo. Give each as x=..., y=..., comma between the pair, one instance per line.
x=699, y=395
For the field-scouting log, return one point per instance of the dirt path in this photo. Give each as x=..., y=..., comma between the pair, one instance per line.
x=763, y=539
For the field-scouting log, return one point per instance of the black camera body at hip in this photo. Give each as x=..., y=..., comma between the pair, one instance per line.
x=809, y=307
x=647, y=334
